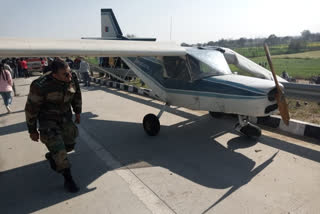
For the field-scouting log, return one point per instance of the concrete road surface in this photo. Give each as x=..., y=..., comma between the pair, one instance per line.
x=197, y=164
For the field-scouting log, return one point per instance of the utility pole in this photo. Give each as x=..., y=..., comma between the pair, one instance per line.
x=170, y=28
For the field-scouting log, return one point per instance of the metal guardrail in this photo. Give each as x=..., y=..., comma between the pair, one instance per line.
x=302, y=91
x=118, y=73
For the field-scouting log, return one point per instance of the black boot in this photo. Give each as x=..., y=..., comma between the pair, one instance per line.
x=51, y=161
x=69, y=183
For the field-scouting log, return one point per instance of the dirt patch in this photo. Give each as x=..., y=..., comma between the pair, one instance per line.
x=304, y=111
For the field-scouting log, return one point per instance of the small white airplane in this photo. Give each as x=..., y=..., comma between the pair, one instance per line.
x=195, y=78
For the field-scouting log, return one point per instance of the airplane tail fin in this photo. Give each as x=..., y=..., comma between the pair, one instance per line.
x=109, y=25
x=110, y=29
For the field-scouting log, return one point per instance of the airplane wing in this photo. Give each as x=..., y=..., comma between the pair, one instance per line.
x=247, y=65
x=77, y=47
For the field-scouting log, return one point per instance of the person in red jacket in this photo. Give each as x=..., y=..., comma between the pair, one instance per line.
x=24, y=67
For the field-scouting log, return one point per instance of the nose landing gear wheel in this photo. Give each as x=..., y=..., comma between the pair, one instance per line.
x=249, y=130
x=151, y=124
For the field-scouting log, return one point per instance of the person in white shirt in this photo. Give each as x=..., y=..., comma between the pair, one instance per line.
x=84, y=72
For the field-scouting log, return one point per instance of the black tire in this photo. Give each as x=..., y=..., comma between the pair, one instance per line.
x=151, y=124
x=251, y=130
x=216, y=114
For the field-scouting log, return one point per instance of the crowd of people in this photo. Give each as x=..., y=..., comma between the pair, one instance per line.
x=18, y=67
x=12, y=68
x=112, y=62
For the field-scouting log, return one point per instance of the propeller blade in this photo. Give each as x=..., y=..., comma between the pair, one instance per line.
x=281, y=100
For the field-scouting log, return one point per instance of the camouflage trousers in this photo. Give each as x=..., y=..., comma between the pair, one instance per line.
x=60, y=140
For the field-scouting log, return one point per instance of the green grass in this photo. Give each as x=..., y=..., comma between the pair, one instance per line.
x=313, y=44
x=259, y=51
x=296, y=68
x=93, y=60
x=305, y=55
x=137, y=82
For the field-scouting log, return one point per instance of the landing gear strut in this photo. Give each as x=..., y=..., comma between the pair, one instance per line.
x=246, y=128
x=151, y=123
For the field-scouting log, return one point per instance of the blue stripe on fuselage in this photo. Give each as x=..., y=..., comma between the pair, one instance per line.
x=235, y=84
x=210, y=86
x=212, y=94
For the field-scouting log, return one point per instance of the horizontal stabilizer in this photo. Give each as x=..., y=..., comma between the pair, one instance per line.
x=122, y=38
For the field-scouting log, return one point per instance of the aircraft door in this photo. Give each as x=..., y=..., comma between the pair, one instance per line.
x=177, y=81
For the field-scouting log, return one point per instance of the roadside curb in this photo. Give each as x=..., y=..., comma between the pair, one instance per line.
x=123, y=86
x=296, y=127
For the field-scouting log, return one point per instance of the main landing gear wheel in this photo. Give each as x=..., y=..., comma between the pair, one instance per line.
x=151, y=124
x=249, y=130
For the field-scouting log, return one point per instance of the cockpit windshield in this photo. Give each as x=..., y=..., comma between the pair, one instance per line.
x=206, y=63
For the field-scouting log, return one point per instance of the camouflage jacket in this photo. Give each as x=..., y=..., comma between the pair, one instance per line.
x=50, y=101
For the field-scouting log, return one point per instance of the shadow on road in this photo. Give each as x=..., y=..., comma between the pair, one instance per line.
x=34, y=187
x=14, y=128
x=196, y=157
x=14, y=112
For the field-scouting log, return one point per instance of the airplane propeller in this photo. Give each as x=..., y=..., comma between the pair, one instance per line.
x=281, y=100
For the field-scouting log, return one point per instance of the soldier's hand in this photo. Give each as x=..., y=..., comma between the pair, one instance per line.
x=77, y=120
x=35, y=136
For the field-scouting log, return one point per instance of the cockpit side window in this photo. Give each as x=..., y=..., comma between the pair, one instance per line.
x=198, y=68
x=176, y=68
x=195, y=67
x=205, y=63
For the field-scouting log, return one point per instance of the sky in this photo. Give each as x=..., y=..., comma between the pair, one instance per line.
x=193, y=21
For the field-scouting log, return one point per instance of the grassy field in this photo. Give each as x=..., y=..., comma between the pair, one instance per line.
x=297, y=68
x=259, y=51
x=252, y=52
x=301, y=65
x=305, y=55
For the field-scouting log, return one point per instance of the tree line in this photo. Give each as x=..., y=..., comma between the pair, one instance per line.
x=295, y=43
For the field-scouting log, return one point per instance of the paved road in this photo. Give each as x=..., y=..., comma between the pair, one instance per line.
x=196, y=165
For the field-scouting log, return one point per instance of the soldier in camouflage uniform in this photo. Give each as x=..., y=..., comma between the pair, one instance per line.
x=49, y=102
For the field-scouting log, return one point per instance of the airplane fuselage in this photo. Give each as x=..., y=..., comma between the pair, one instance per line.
x=227, y=93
